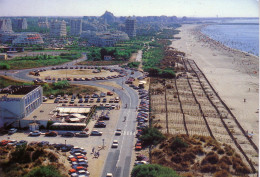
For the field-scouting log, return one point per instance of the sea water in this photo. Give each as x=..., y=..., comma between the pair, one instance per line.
x=241, y=36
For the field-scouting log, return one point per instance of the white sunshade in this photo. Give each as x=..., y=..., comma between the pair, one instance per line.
x=73, y=110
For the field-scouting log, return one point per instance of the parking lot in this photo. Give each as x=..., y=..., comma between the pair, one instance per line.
x=88, y=143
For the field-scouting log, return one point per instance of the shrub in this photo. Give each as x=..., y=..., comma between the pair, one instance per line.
x=151, y=136
x=178, y=143
x=61, y=84
x=208, y=168
x=226, y=160
x=222, y=173
x=46, y=171
x=211, y=158
x=153, y=170
x=4, y=66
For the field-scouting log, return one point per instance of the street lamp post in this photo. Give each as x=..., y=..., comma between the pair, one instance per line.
x=65, y=142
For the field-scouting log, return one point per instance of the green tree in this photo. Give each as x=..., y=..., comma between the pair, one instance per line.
x=44, y=171
x=4, y=66
x=151, y=136
x=153, y=170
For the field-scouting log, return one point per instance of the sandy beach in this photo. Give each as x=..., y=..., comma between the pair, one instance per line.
x=233, y=74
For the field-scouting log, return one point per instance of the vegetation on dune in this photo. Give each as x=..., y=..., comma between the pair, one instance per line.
x=27, y=161
x=39, y=61
x=198, y=154
x=44, y=171
x=153, y=170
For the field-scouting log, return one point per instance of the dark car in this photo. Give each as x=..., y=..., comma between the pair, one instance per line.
x=100, y=125
x=43, y=143
x=80, y=100
x=58, y=146
x=52, y=133
x=104, y=117
x=66, y=148
x=68, y=134
x=98, y=100
x=86, y=100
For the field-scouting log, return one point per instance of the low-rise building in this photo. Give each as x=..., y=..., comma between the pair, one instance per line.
x=104, y=39
x=17, y=102
x=3, y=56
x=28, y=39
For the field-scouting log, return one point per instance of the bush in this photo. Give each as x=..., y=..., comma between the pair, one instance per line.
x=153, y=170
x=211, y=158
x=151, y=136
x=133, y=64
x=61, y=84
x=222, y=173
x=44, y=171
x=4, y=66
x=208, y=168
x=178, y=143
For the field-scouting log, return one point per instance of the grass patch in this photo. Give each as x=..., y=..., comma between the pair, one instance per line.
x=39, y=60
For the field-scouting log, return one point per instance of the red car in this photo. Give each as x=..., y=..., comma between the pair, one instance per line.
x=52, y=133
x=4, y=142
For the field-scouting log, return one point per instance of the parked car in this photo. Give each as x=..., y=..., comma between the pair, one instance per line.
x=12, y=143
x=4, y=142
x=96, y=133
x=100, y=125
x=43, y=143
x=68, y=134
x=82, y=134
x=52, y=133
x=35, y=133
x=12, y=130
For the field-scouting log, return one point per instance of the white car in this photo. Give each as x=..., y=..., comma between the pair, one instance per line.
x=115, y=144
x=12, y=131
x=12, y=143
x=109, y=175
x=35, y=133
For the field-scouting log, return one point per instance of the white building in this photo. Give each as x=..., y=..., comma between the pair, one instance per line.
x=104, y=39
x=75, y=27
x=58, y=28
x=17, y=102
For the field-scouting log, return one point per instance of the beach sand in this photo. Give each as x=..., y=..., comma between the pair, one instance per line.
x=233, y=74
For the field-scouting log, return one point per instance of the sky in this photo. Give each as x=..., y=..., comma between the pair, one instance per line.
x=179, y=8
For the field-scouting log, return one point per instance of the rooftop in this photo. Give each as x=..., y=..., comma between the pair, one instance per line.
x=18, y=90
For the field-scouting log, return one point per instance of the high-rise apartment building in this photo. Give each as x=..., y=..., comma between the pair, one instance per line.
x=75, y=27
x=5, y=25
x=58, y=28
x=130, y=27
x=20, y=23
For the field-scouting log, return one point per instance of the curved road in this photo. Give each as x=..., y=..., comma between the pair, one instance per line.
x=118, y=161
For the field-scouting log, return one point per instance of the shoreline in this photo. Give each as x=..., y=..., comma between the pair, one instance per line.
x=225, y=47
x=233, y=74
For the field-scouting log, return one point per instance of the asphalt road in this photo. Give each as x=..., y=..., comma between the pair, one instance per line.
x=118, y=161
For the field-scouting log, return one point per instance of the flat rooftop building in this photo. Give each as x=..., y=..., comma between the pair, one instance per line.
x=17, y=102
